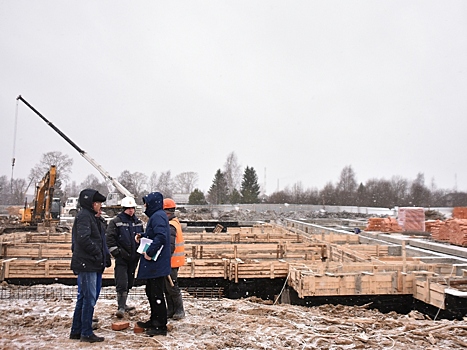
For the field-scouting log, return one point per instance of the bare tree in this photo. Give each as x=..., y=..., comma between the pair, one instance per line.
x=400, y=190
x=280, y=197
x=152, y=182
x=419, y=193
x=298, y=193
x=62, y=162
x=186, y=182
x=347, y=186
x=92, y=181
x=328, y=194
x=134, y=182
x=165, y=184
x=18, y=191
x=232, y=172
x=72, y=190
x=4, y=189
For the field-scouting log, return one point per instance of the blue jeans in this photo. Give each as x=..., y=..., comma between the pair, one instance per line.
x=85, y=302
x=98, y=285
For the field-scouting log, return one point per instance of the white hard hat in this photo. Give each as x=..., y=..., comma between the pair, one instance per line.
x=128, y=202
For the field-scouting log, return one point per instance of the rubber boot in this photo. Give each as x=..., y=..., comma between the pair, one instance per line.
x=178, y=305
x=128, y=307
x=170, y=306
x=121, y=301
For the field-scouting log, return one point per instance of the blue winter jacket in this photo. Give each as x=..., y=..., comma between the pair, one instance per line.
x=158, y=230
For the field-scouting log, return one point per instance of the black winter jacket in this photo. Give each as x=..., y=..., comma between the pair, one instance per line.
x=90, y=253
x=121, y=236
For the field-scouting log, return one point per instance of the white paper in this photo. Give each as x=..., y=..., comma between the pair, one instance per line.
x=144, y=244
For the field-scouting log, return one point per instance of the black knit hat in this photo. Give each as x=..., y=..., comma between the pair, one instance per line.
x=98, y=197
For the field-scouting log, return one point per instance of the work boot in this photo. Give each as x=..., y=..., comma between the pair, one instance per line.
x=170, y=306
x=75, y=335
x=121, y=301
x=178, y=306
x=129, y=308
x=147, y=324
x=91, y=338
x=156, y=331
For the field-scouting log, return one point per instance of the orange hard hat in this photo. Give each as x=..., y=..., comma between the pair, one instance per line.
x=169, y=203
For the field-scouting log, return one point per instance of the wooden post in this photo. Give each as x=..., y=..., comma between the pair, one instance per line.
x=226, y=268
x=404, y=258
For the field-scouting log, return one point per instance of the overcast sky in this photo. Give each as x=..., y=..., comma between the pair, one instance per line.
x=297, y=89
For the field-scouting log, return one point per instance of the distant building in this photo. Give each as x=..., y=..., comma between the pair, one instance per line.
x=181, y=198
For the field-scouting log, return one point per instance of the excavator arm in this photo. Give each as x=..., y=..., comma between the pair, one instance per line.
x=42, y=204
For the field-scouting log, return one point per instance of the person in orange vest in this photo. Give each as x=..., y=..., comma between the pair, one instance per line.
x=174, y=299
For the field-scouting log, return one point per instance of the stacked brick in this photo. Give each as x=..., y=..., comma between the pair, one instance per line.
x=411, y=219
x=457, y=231
x=383, y=225
x=374, y=224
x=436, y=228
x=459, y=213
x=453, y=231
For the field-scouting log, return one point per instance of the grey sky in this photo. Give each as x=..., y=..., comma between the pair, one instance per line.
x=297, y=89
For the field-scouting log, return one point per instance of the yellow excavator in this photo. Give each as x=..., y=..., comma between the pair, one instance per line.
x=45, y=210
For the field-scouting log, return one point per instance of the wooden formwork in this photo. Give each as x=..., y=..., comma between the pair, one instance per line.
x=431, y=289
x=258, y=269
x=233, y=269
x=49, y=238
x=256, y=251
x=43, y=268
x=315, y=264
x=37, y=250
x=308, y=282
x=231, y=238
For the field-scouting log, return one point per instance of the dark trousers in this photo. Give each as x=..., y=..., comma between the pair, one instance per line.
x=174, y=291
x=124, y=273
x=155, y=294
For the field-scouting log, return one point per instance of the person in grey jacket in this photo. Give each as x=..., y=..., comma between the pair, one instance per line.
x=154, y=265
x=89, y=259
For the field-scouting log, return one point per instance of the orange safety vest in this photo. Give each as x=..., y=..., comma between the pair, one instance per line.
x=178, y=256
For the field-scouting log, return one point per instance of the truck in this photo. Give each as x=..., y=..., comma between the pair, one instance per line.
x=113, y=203
x=71, y=206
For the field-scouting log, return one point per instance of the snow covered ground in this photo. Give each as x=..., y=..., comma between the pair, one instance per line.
x=227, y=324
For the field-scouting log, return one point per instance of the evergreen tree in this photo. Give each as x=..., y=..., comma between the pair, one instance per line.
x=235, y=197
x=218, y=192
x=196, y=198
x=250, y=188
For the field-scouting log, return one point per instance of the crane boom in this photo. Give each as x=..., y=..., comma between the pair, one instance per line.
x=86, y=156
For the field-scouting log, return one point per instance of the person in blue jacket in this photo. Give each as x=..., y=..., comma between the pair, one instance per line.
x=154, y=266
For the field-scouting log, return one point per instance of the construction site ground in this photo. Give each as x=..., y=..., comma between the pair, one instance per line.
x=40, y=316
x=44, y=323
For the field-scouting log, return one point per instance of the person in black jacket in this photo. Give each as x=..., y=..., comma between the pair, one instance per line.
x=89, y=259
x=122, y=245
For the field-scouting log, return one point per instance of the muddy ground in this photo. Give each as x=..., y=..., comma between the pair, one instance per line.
x=226, y=324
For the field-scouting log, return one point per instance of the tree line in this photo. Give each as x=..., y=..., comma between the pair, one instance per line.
x=231, y=185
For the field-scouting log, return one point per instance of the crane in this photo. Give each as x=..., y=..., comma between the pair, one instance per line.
x=112, y=203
